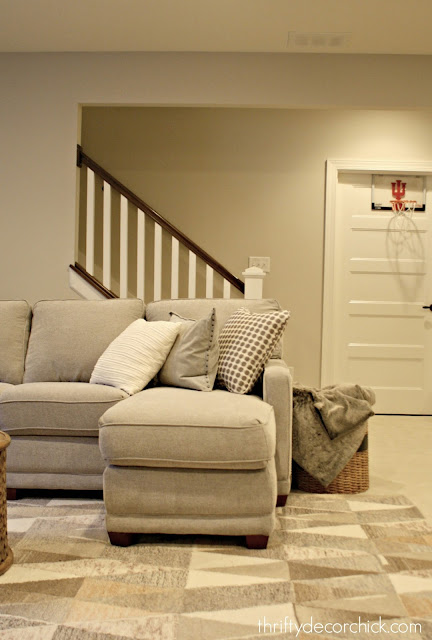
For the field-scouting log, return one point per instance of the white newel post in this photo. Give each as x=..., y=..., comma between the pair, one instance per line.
x=254, y=280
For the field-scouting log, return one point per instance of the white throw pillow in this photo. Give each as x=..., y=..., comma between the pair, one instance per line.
x=136, y=355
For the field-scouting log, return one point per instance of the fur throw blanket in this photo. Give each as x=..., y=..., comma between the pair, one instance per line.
x=329, y=425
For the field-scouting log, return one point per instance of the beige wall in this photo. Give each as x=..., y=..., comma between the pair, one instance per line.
x=244, y=182
x=39, y=113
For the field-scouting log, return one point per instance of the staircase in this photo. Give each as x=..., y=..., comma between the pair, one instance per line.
x=126, y=249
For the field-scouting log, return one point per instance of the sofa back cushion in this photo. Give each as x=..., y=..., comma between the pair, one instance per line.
x=15, y=316
x=69, y=336
x=201, y=307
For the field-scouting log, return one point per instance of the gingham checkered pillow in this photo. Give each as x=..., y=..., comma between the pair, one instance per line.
x=246, y=343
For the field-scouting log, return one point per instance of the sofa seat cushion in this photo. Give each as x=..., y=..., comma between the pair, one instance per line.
x=56, y=408
x=182, y=428
x=4, y=386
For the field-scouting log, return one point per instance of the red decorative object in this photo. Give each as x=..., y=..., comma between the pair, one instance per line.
x=398, y=189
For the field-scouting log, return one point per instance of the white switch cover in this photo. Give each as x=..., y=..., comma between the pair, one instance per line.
x=262, y=263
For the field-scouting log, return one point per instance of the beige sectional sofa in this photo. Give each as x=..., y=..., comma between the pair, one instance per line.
x=171, y=460
x=46, y=404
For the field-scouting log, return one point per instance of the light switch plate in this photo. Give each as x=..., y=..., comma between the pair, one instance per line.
x=261, y=262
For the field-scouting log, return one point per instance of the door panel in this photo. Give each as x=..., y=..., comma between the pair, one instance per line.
x=385, y=288
x=374, y=372
x=375, y=328
x=371, y=246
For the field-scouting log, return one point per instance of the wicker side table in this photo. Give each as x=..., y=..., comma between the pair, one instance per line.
x=6, y=555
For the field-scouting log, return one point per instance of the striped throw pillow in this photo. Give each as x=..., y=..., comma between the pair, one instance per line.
x=136, y=355
x=246, y=343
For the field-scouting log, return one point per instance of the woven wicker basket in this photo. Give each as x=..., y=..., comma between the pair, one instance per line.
x=354, y=478
x=6, y=555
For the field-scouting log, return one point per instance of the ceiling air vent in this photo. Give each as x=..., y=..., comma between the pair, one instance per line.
x=302, y=41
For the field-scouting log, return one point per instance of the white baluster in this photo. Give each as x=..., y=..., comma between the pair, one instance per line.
x=226, y=289
x=106, y=278
x=157, y=294
x=192, y=275
x=209, y=282
x=140, y=254
x=90, y=228
x=174, y=268
x=123, y=247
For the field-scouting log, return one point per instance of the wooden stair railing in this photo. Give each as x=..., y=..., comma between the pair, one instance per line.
x=89, y=237
x=94, y=282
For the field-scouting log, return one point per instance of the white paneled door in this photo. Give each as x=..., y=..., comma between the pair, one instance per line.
x=377, y=281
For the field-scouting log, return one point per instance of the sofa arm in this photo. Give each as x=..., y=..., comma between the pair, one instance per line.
x=277, y=391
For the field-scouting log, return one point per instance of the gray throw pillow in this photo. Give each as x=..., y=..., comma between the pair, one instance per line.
x=192, y=362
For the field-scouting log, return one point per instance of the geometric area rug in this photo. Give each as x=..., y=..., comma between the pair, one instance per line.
x=347, y=567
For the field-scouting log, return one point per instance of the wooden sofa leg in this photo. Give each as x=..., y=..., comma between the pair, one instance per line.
x=120, y=539
x=256, y=542
x=11, y=494
x=281, y=501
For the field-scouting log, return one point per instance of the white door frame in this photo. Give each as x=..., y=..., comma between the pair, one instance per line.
x=333, y=168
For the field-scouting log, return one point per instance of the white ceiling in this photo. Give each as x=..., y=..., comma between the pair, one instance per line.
x=349, y=26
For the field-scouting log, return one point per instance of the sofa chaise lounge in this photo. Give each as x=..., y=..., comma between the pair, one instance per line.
x=170, y=460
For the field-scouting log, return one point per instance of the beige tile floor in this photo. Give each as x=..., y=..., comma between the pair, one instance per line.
x=400, y=458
